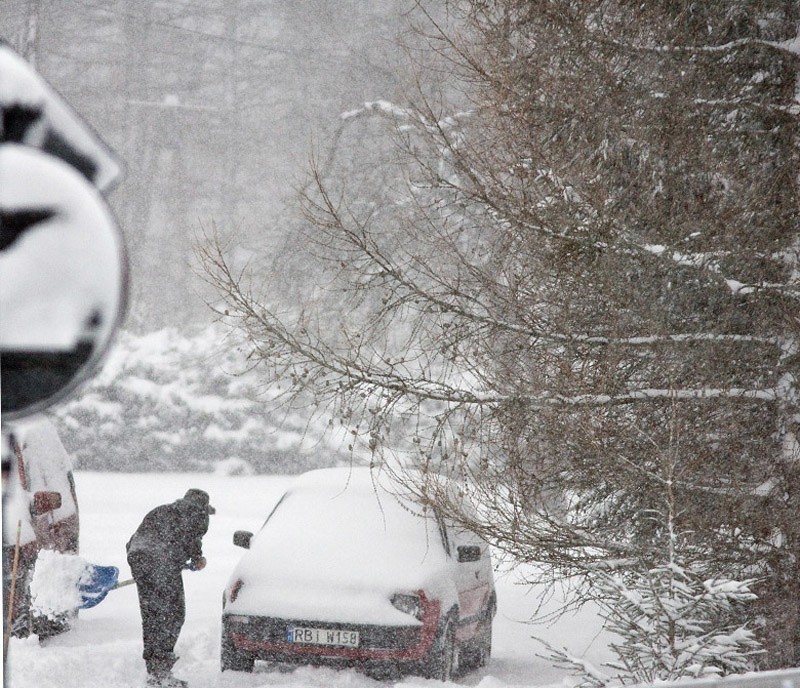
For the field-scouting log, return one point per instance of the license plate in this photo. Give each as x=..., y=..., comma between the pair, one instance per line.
x=322, y=636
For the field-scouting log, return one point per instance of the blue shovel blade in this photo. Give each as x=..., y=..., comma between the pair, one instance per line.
x=96, y=583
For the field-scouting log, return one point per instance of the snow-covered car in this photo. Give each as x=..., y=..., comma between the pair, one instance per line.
x=346, y=572
x=40, y=512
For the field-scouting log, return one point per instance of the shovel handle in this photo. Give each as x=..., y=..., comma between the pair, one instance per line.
x=131, y=581
x=122, y=584
x=7, y=634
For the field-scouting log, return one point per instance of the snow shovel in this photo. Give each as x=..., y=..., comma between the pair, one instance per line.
x=63, y=582
x=97, y=582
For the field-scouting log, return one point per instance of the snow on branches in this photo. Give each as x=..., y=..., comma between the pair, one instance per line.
x=672, y=623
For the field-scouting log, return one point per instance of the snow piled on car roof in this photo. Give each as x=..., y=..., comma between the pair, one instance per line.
x=336, y=547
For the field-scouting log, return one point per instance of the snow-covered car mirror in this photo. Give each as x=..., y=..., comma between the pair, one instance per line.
x=467, y=553
x=242, y=538
x=63, y=279
x=45, y=501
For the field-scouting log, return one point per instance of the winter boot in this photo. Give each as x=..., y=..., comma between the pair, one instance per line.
x=165, y=681
x=159, y=672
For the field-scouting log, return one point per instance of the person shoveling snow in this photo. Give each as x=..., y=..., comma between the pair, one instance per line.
x=168, y=540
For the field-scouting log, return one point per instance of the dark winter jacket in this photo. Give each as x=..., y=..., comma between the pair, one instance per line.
x=172, y=533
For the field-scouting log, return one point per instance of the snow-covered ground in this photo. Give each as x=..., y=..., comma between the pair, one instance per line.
x=103, y=649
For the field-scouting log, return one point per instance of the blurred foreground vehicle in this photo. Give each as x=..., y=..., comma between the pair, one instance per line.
x=40, y=512
x=346, y=572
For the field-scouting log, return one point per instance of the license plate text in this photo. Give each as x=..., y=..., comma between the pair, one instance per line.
x=322, y=636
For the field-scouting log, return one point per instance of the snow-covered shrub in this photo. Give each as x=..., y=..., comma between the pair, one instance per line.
x=169, y=401
x=233, y=466
x=672, y=623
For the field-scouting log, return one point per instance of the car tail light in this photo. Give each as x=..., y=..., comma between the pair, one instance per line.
x=235, y=589
x=408, y=604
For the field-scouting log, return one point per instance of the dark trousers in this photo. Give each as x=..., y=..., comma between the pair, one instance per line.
x=163, y=609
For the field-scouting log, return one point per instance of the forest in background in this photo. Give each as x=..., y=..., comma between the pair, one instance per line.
x=214, y=108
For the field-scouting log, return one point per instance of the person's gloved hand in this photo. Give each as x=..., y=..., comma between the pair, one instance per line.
x=197, y=564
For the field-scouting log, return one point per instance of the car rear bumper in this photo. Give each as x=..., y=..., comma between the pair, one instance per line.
x=266, y=638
